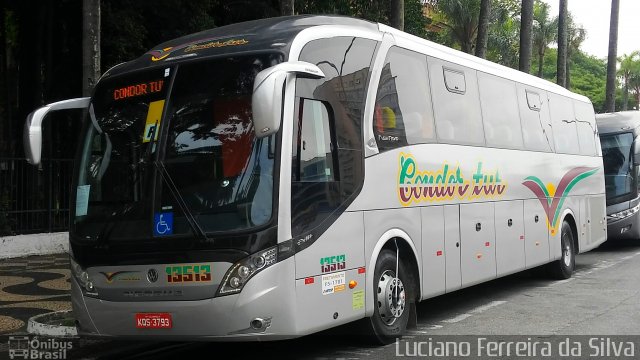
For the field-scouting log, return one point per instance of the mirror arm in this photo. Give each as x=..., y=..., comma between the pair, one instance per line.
x=32, y=136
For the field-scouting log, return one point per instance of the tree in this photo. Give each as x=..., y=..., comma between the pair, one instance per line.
x=576, y=35
x=612, y=58
x=504, y=33
x=461, y=20
x=397, y=14
x=483, y=28
x=526, y=31
x=629, y=69
x=90, y=45
x=561, y=73
x=544, y=31
x=287, y=7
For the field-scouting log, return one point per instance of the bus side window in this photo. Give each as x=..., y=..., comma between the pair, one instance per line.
x=586, y=124
x=403, y=113
x=456, y=103
x=500, y=114
x=564, y=124
x=314, y=159
x=537, y=132
x=315, y=186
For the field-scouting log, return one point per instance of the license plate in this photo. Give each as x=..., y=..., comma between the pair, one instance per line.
x=153, y=321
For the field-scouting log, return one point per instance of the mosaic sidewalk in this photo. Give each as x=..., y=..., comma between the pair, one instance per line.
x=32, y=286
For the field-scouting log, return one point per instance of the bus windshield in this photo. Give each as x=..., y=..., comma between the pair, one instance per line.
x=618, y=164
x=155, y=159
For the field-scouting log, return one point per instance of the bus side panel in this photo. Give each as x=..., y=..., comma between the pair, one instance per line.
x=477, y=233
x=452, y=247
x=337, y=249
x=510, y=253
x=323, y=273
x=536, y=234
x=433, y=251
x=598, y=222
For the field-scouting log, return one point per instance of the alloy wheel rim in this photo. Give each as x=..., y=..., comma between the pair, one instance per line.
x=391, y=304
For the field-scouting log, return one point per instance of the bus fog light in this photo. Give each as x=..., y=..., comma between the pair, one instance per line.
x=259, y=262
x=244, y=272
x=235, y=282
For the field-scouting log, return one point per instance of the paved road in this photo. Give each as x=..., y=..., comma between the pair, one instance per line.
x=602, y=298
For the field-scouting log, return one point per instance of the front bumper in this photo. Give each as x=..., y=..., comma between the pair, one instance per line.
x=270, y=295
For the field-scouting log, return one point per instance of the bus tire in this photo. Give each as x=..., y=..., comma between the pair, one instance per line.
x=563, y=268
x=391, y=312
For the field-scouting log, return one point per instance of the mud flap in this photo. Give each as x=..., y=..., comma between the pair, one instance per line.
x=413, y=316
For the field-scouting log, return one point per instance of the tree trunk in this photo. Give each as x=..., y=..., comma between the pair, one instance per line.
x=561, y=74
x=610, y=102
x=567, y=76
x=397, y=14
x=526, y=38
x=483, y=27
x=4, y=103
x=90, y=45
x=540, y=63
x=625, y=99
x=287, y=7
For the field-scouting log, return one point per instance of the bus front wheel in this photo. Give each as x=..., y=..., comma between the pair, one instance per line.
x=563, y=268
x=392, y=296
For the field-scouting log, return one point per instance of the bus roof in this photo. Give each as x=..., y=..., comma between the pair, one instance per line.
x=258, y=35
x=278, y=33
x=623, y=121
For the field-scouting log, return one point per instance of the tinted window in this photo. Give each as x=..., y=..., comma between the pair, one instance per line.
x=537, y=132
x=618, y=164
x=500, y=114
x=333, y=109
x=564, y=124
x=222, y=172
x=458, y=116
x=403, y=113
x=586, y=126
x=313, y=158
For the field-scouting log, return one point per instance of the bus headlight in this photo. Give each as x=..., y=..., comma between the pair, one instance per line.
x=625, y=213
x=83, y=278
x=240, y=272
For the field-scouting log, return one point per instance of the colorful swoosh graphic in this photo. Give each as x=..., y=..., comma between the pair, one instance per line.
x=552, y=197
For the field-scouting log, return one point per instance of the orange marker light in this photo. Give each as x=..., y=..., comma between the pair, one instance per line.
x=353, y=284
x=479, y=256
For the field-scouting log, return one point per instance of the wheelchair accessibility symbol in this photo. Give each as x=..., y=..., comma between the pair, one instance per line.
x=163, y=224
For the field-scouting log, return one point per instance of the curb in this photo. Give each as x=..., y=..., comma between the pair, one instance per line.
x=39, y=325
x=34, y=244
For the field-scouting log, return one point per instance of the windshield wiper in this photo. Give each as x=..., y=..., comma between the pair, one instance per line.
x=193, y=223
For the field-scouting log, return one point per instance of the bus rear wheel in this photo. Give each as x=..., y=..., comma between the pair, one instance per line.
x=563, y=268
x=392, y=296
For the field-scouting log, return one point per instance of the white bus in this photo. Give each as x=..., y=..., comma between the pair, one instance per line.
x=279, y=177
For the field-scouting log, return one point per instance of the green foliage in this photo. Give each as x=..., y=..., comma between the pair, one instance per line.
x=414, y=20
x=373, y=10
x=130, y=28
x=461, y=20
x=503, y=44
x=588, y=75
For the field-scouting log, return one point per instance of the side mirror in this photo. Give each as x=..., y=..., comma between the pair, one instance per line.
x=32, y=136
x=268, y=88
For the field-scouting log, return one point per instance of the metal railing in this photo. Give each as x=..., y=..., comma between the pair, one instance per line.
x=34, y=199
